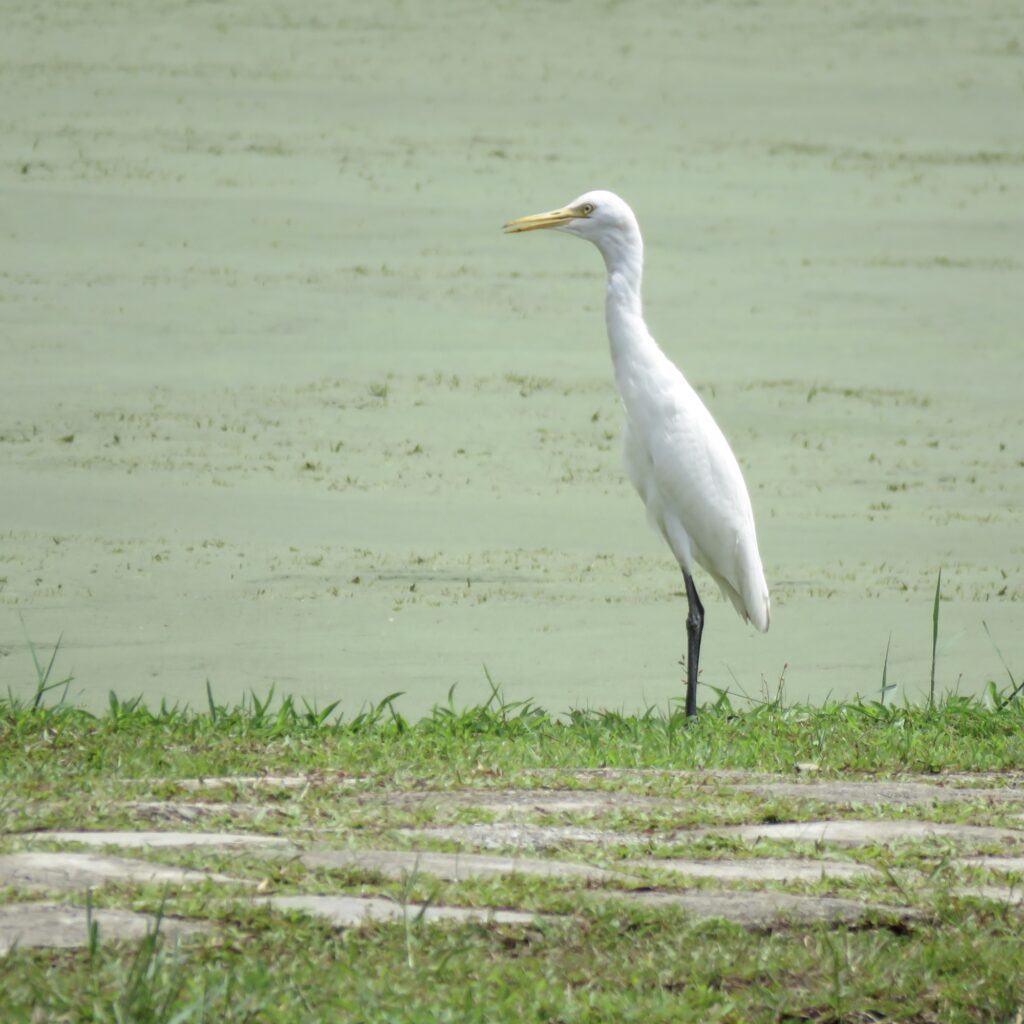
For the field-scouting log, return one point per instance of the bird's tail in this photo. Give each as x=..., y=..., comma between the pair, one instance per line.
x=755, y=607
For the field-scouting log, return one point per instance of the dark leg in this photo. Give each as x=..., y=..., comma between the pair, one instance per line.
x=694, y=628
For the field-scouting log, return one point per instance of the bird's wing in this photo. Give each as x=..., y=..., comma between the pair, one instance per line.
x=701, y=498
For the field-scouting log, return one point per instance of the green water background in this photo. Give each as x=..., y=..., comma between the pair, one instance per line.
x=280, y=404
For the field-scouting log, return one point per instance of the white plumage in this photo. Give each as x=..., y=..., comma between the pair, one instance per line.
x=675, y=454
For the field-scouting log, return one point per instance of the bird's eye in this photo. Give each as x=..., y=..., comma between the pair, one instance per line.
x=587, y=209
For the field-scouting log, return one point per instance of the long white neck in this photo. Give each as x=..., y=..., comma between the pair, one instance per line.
x=632, y=346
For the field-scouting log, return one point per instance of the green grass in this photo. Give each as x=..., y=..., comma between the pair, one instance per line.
x=598, y=957
x=614, y=962
x=40, y=742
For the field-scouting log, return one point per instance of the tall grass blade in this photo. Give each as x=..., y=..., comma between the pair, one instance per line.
x=724, y=693
x=43, y=684
x=92, y=927
x=1016, y=687
x=885, y=673
x=496, y=696
x=210, y=703
x=935, y=639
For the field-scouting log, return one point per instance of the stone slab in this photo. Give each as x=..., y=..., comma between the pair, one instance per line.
x=860, y=833
x=456, y=866
x=176, y=810
x=30, y=925
x=995, y=863
x=1011, y=897
x=697, y=776
x=449, y=866
x=266, y=781
x=774, y=869
x=555, y=801
x=751, y=909
x=526, y=801
x=71, y=872
x=162, y=840
x=900, y=794
x=352, y=911
x=1002, y=779
x=763, y=909
x=499, y=835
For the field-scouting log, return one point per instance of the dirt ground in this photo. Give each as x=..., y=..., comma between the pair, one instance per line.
x=280, y=404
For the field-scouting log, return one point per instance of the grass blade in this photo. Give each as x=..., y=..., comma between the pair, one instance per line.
x=885, y=673
x=1016, y=687
x=210, y=702
x=935, y=639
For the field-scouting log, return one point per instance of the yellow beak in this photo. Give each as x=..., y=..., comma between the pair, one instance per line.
x=551, y=219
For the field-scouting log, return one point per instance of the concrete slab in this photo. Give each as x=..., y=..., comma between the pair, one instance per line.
x=449, y=866
x=267, y=781
x=763, y=909
x=249, y=781
x=1012, y=897
x=1008, y=864
x=162, y=840
x=352, y=911
x=31, y=925
x=456, y=866
x=900, y=794
x=776, y=869
x=176, y=810
x=499, y=835
x=1002, y=779
x=70, y=872
x=697, y=776
x=515, y=802
x=751, y=909
x=859, y=833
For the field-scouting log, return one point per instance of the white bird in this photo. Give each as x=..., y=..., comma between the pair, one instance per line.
x=675, y=454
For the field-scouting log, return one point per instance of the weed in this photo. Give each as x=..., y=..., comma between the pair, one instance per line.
x=935, y=638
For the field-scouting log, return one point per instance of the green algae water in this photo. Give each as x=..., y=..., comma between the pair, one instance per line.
x=279, y=404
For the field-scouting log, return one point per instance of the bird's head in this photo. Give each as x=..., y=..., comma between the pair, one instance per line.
x=600, y=217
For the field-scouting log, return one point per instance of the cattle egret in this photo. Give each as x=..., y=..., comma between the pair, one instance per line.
x=675, y=454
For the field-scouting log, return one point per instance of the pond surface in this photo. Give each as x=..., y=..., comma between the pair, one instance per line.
x=280, y=405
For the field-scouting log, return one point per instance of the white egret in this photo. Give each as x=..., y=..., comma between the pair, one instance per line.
x=675, y=454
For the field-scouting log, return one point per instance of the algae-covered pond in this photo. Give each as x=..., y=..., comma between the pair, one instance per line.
x=279, y=404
